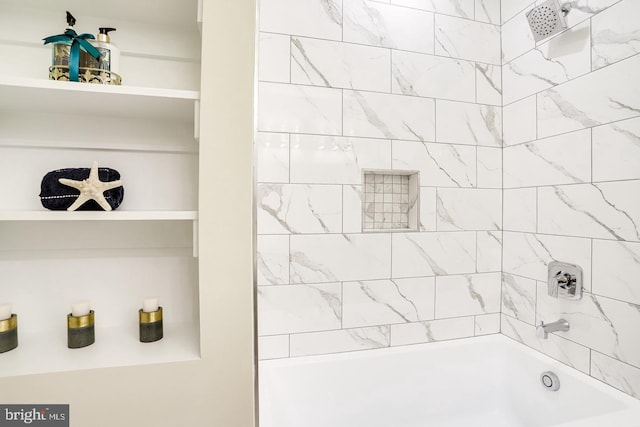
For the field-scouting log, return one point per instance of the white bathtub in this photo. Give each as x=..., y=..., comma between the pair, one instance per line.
x=487, y=381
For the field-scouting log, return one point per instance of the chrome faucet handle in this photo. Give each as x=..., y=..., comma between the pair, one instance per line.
x=564, y=280
x=541, y=332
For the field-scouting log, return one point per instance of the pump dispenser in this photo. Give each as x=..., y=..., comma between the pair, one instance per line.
x=110, y=53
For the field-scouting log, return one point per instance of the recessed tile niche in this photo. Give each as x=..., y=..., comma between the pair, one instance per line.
x=390, y=200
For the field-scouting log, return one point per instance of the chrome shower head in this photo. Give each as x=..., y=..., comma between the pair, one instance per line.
x=547, y=19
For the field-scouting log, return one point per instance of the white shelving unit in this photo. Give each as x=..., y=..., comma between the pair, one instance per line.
x=18, y=94
x=116, y=215
x=147, y=129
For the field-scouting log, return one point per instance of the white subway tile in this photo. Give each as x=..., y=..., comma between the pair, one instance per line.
x=520, y=209
x=434, y=330
x=433, y=254
x=348, y=257
x=299, y=109
x=299, y=308
x=467, y=295
x=384, y=25
x=472, y=124
x=339, y=341
x=334, y=64
x=469, y=209
x=383, y=302
x=312, y=18
x=381, y=115
x=466, y=39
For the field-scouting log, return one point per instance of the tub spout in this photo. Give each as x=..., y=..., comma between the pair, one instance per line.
x=543, y=330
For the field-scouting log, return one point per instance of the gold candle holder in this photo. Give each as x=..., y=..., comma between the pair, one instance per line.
x=81, y=330
x=151, y=329
x=9, y=333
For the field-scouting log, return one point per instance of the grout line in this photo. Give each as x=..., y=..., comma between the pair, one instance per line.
x=573, y=79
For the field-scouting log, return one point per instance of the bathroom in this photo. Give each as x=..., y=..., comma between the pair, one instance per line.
x=359, y=224
x=526, y=153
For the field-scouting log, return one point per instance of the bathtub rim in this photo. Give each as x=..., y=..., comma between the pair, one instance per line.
x=632, y=405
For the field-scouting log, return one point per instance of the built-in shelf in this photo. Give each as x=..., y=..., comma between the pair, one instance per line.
x=164, y=12
x=81, y=99
x=98, y=216
x=147, y=129
x=46, y=351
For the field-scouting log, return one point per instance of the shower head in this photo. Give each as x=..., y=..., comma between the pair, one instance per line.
x=547, y=19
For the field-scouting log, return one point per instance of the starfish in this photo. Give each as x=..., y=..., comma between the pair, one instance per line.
x=91, y=189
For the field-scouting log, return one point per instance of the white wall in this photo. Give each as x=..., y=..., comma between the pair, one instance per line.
x=353, y=84
x=572, y=184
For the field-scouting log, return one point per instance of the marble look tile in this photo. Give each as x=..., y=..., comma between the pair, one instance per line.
x=466, y=39
x=529, y=255
x=352, y=209
x=614, y=94
x=519, y=121
x=273, y=347
x=273, y=260
x=303, y=109
x=299, y=308
x=585, y=9
x=440, y=165
x=510, y=8
x=605, y=325
x=339, y=341
x=272, y=157
x=615, y=33
x=519, y=298
x=489, y=251
x=615, y=373
x=520, y=209
x=517, y=38
x=461, y=8
x=435, y=330
x=433, y=254
x=377, y=24
x=273, y=58
x=336, y=160
x=433, y=76
x=428, y=215
x=565, y=351
x=313, y=18
x=489, y=167
x=333, y=64
x=297, y=208
x=488, y=11
x=616, y=151
x=467, y=295
x=472, y=124
x=488, y=84
x=343, y=257
x=516, y=35
x=544, y=162
x=469, y=209
x=381, y=115
x=616, y=268
x=602, y=210
x=383, y=302
x=563, y=58
x=486, y=324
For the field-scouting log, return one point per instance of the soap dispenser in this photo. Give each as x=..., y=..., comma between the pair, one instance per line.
x=110, y=53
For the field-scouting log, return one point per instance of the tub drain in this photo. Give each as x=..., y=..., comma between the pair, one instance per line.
x=550, y=381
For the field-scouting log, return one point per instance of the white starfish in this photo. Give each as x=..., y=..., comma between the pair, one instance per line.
x=91, y=189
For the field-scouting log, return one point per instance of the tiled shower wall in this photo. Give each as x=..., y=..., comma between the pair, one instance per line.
x=572, y=184
x=346, y=85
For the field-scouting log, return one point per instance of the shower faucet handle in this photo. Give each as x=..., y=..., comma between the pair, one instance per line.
x=564, y=280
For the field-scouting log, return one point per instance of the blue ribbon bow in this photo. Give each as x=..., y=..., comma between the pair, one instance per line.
x=76, y=41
